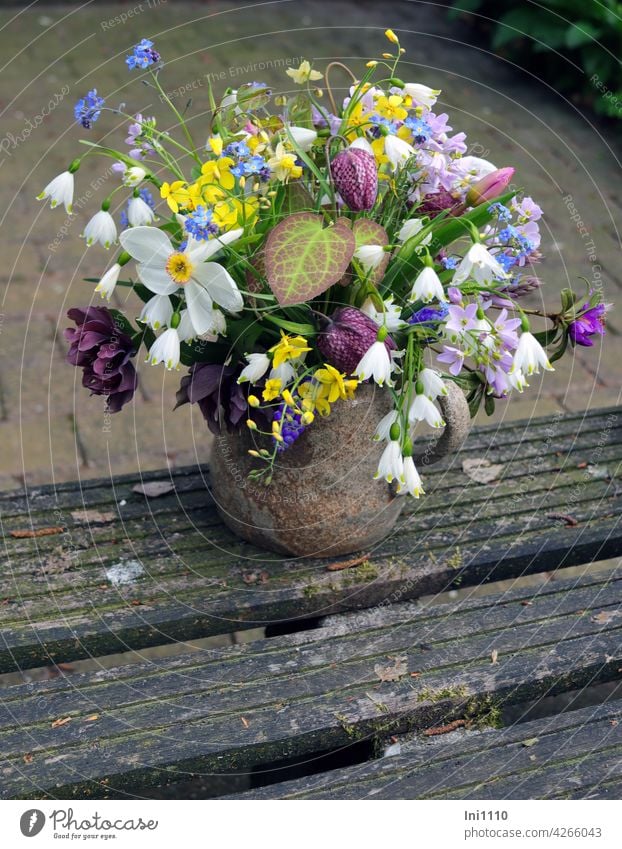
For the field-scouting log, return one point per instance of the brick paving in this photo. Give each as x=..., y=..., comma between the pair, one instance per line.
x=49, y=428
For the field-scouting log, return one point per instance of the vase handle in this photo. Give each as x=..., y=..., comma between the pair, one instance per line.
x=458, y=423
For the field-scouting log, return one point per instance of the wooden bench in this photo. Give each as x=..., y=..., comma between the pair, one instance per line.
x=360, y=687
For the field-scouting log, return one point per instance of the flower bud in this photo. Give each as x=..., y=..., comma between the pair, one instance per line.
x=489, y=187
x=356, y=178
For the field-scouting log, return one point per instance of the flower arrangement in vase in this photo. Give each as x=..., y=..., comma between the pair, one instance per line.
x=312, y=262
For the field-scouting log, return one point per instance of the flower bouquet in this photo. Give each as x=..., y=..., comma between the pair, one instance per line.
x=312, y=261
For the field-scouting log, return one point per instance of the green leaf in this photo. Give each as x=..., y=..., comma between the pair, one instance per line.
x=581, y=33
x=122, y=322
x=304, y=258
x=568, y=299
x=293, y=326
x=489, y=405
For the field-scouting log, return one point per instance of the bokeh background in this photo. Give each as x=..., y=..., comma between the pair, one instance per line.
x=539, y=93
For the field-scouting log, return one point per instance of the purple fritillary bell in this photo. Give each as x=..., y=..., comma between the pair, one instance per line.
x=348, y=335
x=356, y=178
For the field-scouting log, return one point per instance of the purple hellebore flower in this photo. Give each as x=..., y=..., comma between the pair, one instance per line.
x=215, y=389
x=592, y=321
x=103, y=351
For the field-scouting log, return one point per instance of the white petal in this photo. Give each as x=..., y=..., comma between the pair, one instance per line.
x=156, y=279
x=199, y=250
x=157, y=312
x=146, y=244
x=200, y=308
x=220, y=285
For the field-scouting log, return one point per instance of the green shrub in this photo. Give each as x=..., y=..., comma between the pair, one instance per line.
x=573, y=45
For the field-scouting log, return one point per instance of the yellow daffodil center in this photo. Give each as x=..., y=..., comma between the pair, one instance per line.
x=179, y=268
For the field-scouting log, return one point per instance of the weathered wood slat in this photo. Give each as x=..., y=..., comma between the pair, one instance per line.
x=58, y=601
x=306, y=693
x=577, y=754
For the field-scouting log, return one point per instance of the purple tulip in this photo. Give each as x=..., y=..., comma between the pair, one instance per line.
x=356, y=178
x=104, y=352
x=489, y=187
x=349, y=334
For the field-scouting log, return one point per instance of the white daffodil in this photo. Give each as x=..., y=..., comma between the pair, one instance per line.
x=412, y=482
x=185, y=330
x=427, y=287
x=390, y=318
x=258, y=365
x=157, y=312
x=423, y=410
x=383, y=429
x=433, y=383
x=362, y=144
x=303, y=73
x=391, y=465
x=410, y=228
x=166, y=349
x=166, y=271
x=422, y=95
x=370, y=256
x=101, y=228
x=303, y=137
x=480, y=265
x=530, y=356
x=375, y=363
x=59, y=190
x=398, y=151
x=133, y=175
x=108, y=281
x=139, y=213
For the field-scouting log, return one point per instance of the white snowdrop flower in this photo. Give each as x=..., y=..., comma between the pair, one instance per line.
x=390, y=318
x=383, y=429
x=133, y=175
x=427, y=287
x=422, y=95
x=101, y=228
x=530, y=356
x=285, y=373
x=433, y=383
x=410, y=228
x=157, y=312
x=164, y=270
x=375, y=363
x=411, y=484
x=106, y=285
x=303, y=137
x=476, y=167
x=59, y=190
x=422, y=409
x=397, y=151
x=139, y=212
x=517, y=381
x=166, y=349
x=362, y=144
x=370, y=256
x=479, y=264
x=258, y=365
x=391, y=465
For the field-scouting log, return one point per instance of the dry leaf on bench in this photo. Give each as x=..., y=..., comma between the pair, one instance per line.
x=481, y=471
x=394, y=671
x=92, y=517
x=153, y=489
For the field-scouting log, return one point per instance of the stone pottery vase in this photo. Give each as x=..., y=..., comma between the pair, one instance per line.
x=323, y=500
